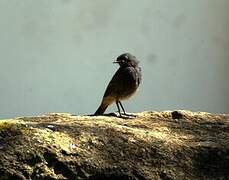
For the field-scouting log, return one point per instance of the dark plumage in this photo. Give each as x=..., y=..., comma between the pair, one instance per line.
x=123, y=84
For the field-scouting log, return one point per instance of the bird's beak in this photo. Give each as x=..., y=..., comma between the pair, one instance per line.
x=118, y=61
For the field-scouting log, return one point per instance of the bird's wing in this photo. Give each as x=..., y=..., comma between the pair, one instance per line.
x=123, y=79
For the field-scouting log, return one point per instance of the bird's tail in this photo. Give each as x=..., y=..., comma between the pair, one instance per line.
x=102, y=108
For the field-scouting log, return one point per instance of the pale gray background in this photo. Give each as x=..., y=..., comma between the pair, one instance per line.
x=56, y=55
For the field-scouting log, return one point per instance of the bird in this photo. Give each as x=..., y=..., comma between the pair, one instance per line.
x=123, y=84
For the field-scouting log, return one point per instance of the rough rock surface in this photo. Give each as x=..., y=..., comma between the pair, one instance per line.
x=152, y=145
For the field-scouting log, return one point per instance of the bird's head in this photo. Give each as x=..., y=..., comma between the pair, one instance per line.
x=127, y=60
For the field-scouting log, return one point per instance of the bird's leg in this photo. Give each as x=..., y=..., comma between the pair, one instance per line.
x=118, y=108
x=124, y=112
x=122, y=107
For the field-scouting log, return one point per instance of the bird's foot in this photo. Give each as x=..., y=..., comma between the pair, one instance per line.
x=131, y=115
x=125, y=115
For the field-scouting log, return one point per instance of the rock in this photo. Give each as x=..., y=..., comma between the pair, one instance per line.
x=149, y=146
x=176, y=115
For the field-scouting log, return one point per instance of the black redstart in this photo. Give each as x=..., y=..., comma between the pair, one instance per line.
x=123, y=84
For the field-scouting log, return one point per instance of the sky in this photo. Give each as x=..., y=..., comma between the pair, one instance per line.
x=56, y=56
